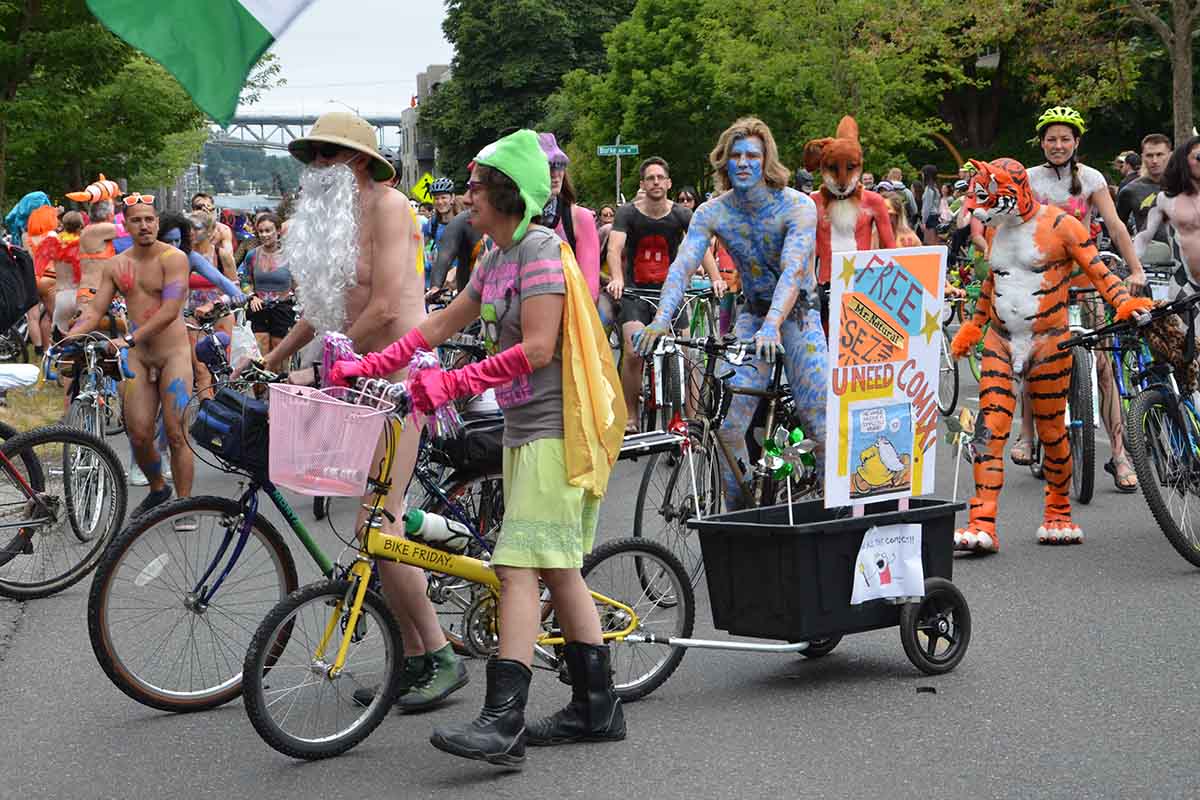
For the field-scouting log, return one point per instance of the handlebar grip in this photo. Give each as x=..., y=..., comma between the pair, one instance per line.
x=123, y=360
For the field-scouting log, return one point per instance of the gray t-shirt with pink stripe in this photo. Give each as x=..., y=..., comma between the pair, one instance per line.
x=501, y=279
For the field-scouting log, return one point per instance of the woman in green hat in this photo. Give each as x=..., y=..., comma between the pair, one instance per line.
x=518, y=289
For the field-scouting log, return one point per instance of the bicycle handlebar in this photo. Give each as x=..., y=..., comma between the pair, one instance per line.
x=1184, y=306
x=730, y=348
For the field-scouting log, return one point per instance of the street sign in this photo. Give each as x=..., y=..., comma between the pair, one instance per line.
x=420, y=190
x=617, y=150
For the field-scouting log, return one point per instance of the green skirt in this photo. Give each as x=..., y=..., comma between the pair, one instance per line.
x=548, y=524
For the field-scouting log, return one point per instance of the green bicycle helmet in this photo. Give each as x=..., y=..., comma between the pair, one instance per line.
x=968, y=168
x=1061, y=115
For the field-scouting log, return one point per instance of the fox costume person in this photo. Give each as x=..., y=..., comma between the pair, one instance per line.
x=1033, y=249
x=846, y=212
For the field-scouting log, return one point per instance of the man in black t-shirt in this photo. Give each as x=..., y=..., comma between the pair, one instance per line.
x=1136, y=198
x=458, y=250
x=645, y=237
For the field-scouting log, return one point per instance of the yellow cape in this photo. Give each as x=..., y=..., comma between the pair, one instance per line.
x=594, y=413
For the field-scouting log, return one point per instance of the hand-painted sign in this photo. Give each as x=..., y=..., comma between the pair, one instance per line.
x=885, y=310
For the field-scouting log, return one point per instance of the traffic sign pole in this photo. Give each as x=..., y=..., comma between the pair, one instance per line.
x=617, y=150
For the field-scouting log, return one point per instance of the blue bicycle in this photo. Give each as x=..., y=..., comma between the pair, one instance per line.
x=1162, y=426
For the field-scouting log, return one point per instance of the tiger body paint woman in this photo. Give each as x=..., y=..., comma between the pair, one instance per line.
x=1033, y=250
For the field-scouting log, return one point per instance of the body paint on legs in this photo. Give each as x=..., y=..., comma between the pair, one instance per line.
x=179, y=394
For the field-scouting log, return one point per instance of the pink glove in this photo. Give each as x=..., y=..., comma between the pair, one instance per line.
x=390, y=359
x=432, y=389
x=341, y=373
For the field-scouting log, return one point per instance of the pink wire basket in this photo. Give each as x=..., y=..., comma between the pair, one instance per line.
x=320, y=443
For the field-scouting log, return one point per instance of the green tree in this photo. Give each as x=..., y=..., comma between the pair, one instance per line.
x=1175, y=22
x=509, y=57
x=46, y=43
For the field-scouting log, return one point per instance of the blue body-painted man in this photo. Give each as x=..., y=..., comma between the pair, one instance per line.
x=770, y=231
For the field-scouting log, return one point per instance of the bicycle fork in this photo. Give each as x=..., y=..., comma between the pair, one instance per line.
x=360, y=570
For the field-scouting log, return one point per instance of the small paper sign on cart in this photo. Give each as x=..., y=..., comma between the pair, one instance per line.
x=889, y=564
x=885, y=346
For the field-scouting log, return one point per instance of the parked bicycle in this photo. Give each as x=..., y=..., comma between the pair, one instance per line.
x=62, y=500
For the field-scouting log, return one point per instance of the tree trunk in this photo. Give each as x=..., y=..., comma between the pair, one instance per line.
x=3, y=162
x=1181, y=66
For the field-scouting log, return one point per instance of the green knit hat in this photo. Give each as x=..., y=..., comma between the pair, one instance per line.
x=519, y=156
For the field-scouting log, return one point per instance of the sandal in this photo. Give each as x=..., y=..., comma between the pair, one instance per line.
x=1124, y=477
x=1022, y=452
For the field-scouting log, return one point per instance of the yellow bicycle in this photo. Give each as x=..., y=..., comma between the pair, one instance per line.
x=328, y=639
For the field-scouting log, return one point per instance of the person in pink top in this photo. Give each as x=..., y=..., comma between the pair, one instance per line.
x=573, y=223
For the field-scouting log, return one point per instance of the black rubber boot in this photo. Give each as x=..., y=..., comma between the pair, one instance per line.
x=594, y=713
x=497, y=735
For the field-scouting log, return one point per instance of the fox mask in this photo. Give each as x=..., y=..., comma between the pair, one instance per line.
x=839, y=159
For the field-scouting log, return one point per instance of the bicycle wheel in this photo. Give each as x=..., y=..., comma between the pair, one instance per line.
x=665, y=502
x=666, y=608
x=462, y=606
x=150, y=633
x=26, y=463
x=1167, y=467
x=83, y=496
x=300, y=710
x=1082, y=426
x=84, y=481
x=113, y=412
x=672, y=397
x=947, y=378
x=647, y=411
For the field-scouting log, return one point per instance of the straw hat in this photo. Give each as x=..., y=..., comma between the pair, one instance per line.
x=349, y=131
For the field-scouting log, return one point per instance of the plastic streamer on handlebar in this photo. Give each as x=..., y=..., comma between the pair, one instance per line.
x=445, y=421
x=338, y=347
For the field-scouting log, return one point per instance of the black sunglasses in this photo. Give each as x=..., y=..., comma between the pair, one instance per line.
x=326, y=150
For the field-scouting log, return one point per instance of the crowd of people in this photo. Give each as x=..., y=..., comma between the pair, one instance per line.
x=517, y=250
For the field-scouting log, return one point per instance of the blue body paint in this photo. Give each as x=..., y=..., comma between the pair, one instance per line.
x=771, y=235
x=179, y=394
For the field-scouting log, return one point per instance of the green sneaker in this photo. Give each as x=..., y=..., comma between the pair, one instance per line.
x=416, y=669
x=447, y=674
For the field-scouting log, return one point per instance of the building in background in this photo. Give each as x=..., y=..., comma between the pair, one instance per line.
x=417, y=152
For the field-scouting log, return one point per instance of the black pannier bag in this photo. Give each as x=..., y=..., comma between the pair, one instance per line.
x=477, y=448
x=233, y=427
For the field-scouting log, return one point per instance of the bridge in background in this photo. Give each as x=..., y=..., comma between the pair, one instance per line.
x=275, y=131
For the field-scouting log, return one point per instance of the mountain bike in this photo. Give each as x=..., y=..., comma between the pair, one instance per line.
x=1163, y=427
x=62, y=500
x=328, y=639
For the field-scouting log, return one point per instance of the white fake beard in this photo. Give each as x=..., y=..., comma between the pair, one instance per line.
x=321, y=246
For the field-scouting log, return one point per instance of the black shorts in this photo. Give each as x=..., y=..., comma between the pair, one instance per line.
x=636, y=309
x=274, y=320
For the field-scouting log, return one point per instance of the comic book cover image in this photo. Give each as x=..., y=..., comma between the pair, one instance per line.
x=881, y=442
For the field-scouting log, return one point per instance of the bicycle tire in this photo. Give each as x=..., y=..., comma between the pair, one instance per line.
x=1083, y=426
x=671, y=391
x=266, y=656
x=673, y=510
x=599, y=565
x=34, y=473
x=128, y=571
x=1152, y=430
x=646, y=409
x=113, y=412
x=947, y=378
x=14, y=583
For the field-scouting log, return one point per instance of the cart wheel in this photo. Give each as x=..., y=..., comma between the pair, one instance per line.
x=820, y=647
x=936, y=631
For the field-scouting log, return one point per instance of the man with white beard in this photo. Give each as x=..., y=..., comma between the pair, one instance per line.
x=352, y=245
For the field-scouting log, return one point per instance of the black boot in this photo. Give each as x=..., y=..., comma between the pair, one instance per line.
x=497, y=735
x=594, y=713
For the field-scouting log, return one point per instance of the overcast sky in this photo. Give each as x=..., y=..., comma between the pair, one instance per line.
x=364, y=53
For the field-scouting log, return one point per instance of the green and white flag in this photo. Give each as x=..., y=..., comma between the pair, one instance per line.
x=209, y=46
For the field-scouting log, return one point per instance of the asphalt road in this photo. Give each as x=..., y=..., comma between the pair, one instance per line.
x=1078, y=683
